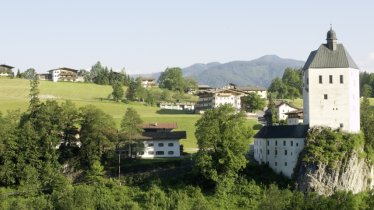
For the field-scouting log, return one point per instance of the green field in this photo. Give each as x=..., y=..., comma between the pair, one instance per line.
x=14, y=95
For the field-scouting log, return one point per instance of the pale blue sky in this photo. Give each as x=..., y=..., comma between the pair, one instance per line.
x=148, y=36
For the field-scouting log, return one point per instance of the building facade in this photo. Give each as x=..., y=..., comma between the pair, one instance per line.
x=63, y=74
x=331, y=88
x=177, y=106
x=6, y=71
x=331, y=99
x=159, y=140
x=215, y=98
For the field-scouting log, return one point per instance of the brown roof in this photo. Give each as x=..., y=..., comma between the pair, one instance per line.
x=65, y=68
x=6, y=66
x=162, y=135
x=300, y=111
x=251, y=88
x=156, y=125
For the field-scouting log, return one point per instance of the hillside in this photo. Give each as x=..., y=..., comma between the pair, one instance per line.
x=259, y=72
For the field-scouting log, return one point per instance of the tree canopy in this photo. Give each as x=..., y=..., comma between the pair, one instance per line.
x=222, y=137
x=289, y=87
x=172, y=79
x=253, y=102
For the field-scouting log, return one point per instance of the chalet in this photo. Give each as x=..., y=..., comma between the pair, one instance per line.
x=148, y=82
x=177, y=106
x=63, y=74
x=248, y=89
x=213, y=98
x=281, y=108
x=6, y=71
x=295, y=117
x=160, y=140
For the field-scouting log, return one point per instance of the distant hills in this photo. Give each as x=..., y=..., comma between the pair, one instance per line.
x=259, y=72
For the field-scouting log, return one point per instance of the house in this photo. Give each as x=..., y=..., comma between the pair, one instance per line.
x=213, y=98
x=331, y=99
x=295, y=117
x=282, y=108
x=148, y=82
x=44, y=76
x=6, y=71
x=63, y=74
x=177, y=106
x=262, y=92
x=160, y=140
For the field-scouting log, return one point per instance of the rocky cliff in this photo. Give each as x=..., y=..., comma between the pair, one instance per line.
x=352, y=173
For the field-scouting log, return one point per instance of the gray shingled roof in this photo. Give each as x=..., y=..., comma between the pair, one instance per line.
x=283, y=131
x=326, y=58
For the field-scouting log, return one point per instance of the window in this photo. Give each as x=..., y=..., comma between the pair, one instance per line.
x=297, y=144
x=267, y=142
x=276, y=143
x=170, y=144
x=151, y=153
x=160, y=152
x=285, y=152
x=276, y=152
x=275, y=163
x=261, y=151
x=160, y=144
x=284, y=143
x=330, y=79
x=341, y=79
x=320, y=79
x=141, y=153
x=291, y=143
x=341, y=125
x=171, y=153
x=267, y=152
x=285, y=163
x=150, y=144
x=325, y=97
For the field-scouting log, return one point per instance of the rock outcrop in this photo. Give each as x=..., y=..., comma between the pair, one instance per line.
x=350, y=174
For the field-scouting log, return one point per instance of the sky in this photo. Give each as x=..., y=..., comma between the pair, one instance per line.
x=146, y=36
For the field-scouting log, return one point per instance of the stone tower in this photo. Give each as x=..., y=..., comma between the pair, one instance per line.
x=331, y=87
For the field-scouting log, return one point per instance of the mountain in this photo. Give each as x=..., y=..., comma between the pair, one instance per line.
x=259, y=72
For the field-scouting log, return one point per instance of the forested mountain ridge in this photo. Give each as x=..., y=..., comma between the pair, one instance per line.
x=257, y=72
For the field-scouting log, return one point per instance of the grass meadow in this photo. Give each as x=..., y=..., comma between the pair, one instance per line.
x=14, y=95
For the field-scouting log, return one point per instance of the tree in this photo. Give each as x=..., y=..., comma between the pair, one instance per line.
x=222, y=137
x=34, y=93
x=253, y=102
x=172, y=79
x=130, y=126
x=96, y=134
x=117, y=91
x=278, y=88
x=18, y=75
x=29, y=73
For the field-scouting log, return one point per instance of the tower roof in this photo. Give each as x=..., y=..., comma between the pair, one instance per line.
x=331, y=35
x=327, y=57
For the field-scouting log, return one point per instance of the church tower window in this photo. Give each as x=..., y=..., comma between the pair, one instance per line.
x=320, y=79
x=341, y=79
x=330, y=79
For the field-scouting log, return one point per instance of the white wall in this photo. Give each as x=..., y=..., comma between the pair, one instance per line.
x=234, y=100
x=264, y=153
x=154, y=145
x=342, y=106
x=294, y=121
x=282, y=110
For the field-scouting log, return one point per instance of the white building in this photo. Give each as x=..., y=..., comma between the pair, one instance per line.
x=295, y=117
x=279, y=146
x=160, y=141
x=177, y=106
x=148, y=82
x=331, y=99
x=64, y=74
x=282, y=108
x=215, y=98
x=331, y=88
